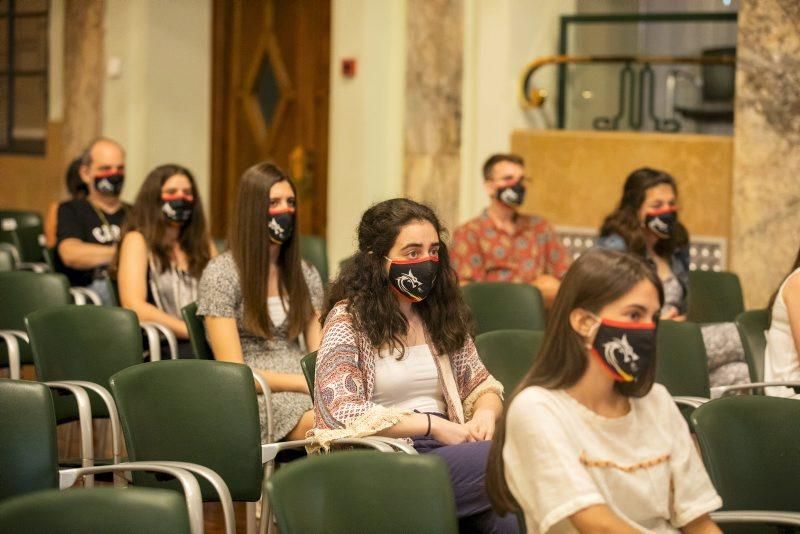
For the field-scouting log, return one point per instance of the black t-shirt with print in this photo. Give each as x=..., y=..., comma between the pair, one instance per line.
x=78, y=219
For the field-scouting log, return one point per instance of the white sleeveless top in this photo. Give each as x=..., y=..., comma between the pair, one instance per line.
x=411, y=383
x=780, y=357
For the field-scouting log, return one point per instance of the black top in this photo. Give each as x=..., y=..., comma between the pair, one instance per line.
x=78, y=219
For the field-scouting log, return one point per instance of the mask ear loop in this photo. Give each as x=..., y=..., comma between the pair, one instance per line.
x=592, y=330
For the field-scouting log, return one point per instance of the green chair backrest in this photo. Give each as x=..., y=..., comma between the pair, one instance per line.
x=751, y=447
x=504, y=306
x=509, y=354
x=682, y=365
x=27, y=229
x=752, y=325
x=22, y=292
x=88, y=343
x=107, y=510
x=714, y=297
x=197, y=332
x=364, y=491
x=28, y=447
x=309, y=365
x=314, y=250
x=198, y=411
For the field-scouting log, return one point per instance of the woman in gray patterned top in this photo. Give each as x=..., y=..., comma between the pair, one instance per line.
x=259, y=298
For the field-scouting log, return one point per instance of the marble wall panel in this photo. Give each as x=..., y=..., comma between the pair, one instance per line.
x=434, y=52
x=765, y=224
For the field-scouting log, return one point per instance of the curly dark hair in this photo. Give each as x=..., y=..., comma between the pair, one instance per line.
x=364, y=284
x=624, y=221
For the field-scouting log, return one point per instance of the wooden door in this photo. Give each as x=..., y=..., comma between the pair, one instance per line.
x=270, y=100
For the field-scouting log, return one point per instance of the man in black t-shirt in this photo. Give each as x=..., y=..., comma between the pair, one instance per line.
x=89, y=229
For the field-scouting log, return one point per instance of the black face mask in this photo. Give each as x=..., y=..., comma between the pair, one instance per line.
x=281, y=225
x=110, y=184
x=625, y=349
x=413, y=279
x=177, y=208
x=661, y=222
x=512, y=195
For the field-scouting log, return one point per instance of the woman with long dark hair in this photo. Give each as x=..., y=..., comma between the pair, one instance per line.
x=164, y=249
x=260, y=297
x=397, y=358
x=589, y=442
x=781, y=360
x=646, y=223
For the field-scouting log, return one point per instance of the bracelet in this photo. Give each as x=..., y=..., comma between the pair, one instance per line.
x=428, y=432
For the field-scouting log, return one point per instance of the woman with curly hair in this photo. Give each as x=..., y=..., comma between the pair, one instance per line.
x=397, y=359
x=646, y=224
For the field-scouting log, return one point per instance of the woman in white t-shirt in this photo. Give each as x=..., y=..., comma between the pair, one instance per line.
x=589, y=442
x=781, y=362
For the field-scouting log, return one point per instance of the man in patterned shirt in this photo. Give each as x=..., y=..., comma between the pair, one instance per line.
x=503, y=245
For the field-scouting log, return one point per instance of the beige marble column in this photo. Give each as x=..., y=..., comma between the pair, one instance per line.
x=766, y=179
x=434, y=54
x=83, y=73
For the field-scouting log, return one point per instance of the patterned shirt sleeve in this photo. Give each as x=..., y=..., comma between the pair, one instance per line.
x=465, y=255
x=557, y=258
x=472, y=377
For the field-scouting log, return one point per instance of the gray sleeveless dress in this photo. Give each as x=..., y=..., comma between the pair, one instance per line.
x=220, y=295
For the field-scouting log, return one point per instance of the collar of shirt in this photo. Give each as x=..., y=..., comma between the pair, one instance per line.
x=521, y=223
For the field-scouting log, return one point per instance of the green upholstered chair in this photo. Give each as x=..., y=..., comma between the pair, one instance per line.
x=682, y=365
x=751, y=448
x=25, y=230
x=363, y=491
x=309, y=365
x=197, y=332
x=106, y=510
x=29, y=457
x=8, y=257
x=504, y=306
x=509, y=354
x=21, y=293
x=714, y=297
x=752, y=325
x=314, y=250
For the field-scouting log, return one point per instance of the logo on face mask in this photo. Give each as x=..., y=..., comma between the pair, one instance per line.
x=661, y=222
x=414, y=286
x=178, y=208
x=109, y=184
x=625, y=349
x=512, y=195
x=280, y=225
x=619, y=350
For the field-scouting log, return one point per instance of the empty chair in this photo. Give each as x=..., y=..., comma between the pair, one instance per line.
x=362, y=491
x=22, y=293
x=24, y=230
x=714, y=297
x=753, y=325
x=29, y=457
x=314, y=250
x=8, y=257
x=509, y=354
x=682, y=365
x=197, y=332
x=104, y=510
x=504, y=306
x=750, y=447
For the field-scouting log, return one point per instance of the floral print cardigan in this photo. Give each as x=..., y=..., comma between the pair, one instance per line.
x=345, y=378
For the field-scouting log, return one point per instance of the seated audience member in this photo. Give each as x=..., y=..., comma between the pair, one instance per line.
x=89, y=228
x=781, y=362
x=589, y=442
x=259, y=297
x=503, y=245
x=397, y=358
x=76, y=189
x=164, y=249
x=646, y=224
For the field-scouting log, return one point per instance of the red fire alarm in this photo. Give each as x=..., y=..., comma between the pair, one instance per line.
x=349, y=67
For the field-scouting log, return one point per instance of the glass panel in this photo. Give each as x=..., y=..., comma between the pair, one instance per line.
x=30, y=6
x=3, y=110
x=3, y=44
x=30, y=43
x=30, y=108
x=267, y=90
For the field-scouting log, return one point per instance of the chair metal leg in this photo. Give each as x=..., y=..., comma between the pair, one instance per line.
x=251, y=518
x=85, y=419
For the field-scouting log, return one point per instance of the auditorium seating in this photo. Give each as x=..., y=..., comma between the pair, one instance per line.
x=714, y=297
x=197, y=332
x=309, y=366
x=504, y=306
x=509, y=354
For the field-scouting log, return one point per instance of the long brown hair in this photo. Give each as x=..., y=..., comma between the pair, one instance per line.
x=147, y=218
x=249, y=243
x=364, y=284
x=597, y=278
x=624, y=220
